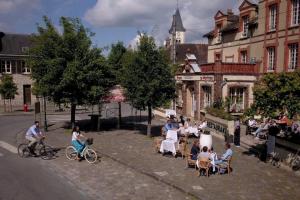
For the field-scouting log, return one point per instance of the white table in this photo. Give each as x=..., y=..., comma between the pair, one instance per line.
x=170, y=144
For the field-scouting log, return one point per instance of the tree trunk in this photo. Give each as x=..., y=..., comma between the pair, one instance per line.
x=149, y=121
x=120, y=116
x=99, y=117
x=73, y=110
x=4, y=105
x=140, y=115
x=10, y=105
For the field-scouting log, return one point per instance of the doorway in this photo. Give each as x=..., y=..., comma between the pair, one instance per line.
x=27, y=94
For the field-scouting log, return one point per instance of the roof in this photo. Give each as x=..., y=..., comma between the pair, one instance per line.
x=199, y=51
x=195, y=67
x=191, y=56
x=209, y=34
x=230, y=27
x=233, y=18
x=14, y=44
x=177, y=22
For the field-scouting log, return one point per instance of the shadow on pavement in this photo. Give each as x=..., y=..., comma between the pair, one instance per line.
x=128, y=123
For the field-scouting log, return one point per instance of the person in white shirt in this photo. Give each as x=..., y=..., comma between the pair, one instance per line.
x=76, y=141
x=33, y=134
x=203, y=125
x=252, y=123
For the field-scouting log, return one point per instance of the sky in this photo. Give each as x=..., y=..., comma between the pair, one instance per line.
x=116, y=20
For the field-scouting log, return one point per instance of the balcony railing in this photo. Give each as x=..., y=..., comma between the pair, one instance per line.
x=232, y=68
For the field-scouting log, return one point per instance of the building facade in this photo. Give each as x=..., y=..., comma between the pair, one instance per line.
x=13, y=53
x=263, y=38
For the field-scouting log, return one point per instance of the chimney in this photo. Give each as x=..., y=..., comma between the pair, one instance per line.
x=229, y=12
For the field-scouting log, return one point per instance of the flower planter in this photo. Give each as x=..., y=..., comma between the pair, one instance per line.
x=221, y=126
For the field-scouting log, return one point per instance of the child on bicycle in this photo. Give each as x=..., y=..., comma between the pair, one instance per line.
x=76, y=141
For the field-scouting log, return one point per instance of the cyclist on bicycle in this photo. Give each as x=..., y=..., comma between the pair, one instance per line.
x=33, y=134
x=76, y=142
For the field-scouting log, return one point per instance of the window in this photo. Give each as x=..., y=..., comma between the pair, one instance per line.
x=271, y=58
x=236, y=99
x=6, y=66
x=243, y=57
x=207, y=96
x=25, y=69
x=25, y=49
x=272, y=17
x=217, y=57
x=245, y=26
x=295, y=18
x=293, y=56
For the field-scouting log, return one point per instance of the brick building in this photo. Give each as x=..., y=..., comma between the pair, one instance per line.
x=13, y=53
x=263, y=38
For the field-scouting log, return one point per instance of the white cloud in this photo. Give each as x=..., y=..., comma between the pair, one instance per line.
x=197, y=15
x=7, y=6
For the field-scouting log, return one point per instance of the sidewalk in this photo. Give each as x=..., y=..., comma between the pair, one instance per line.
x=130, y=169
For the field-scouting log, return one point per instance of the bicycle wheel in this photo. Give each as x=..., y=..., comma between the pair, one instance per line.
x=23, y=151
x=46, y=152
x=295, y=165
x=71, y=153
x=90, y=155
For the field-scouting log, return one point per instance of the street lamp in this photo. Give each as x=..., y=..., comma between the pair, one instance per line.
x=45, y=122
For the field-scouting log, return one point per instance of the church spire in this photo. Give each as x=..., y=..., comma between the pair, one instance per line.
x=177, y=22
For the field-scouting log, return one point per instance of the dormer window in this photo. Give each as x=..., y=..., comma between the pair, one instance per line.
x=245, y=26
x=25, y=69
x=272, y=17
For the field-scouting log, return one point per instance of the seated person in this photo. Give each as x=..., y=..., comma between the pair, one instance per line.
x=166, y=127
x=252, y=123
x=213, y=157
x=262, y=128
x=181, y=130
x=203, y=125
x=283, y=121
x=204, y=153
x=193, y=130
x=228, y=153
x=212, y=154
x=296, y=127
x=195, y=150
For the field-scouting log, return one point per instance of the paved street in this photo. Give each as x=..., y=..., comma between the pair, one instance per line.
x=130, y=169
x=23, y=179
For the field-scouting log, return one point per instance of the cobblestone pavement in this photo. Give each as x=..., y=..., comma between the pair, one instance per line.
x=130, y=169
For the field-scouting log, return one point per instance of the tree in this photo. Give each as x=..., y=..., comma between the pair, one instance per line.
x=8, y=89
x=115, y=59
x=275, y=93
x=66, y=67
x=147, y=78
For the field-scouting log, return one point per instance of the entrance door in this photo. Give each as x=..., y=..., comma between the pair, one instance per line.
x=27, y=94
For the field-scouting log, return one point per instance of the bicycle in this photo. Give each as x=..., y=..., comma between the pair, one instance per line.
x=88, y=153
x=294, y=161
x=46, y=152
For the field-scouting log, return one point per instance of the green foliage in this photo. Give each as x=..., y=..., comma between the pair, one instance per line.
x=146, y=76
x=8, y=89
x=66, y=67
x=219, y=112
x=115, y=60
x=277, y=93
